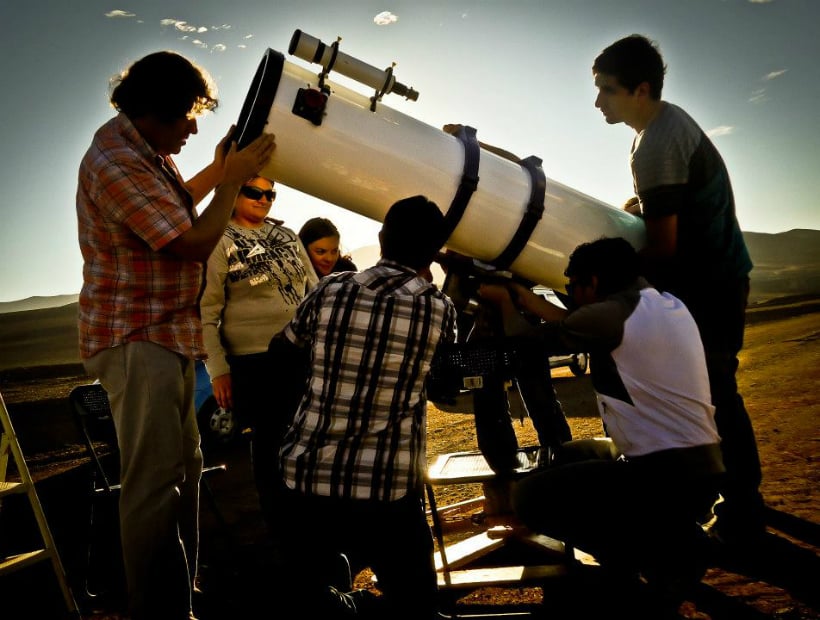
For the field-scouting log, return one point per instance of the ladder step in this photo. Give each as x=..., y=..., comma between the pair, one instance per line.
x=500, y=576
x=465, y=551
x=7, y=488
x=15, y=562
x=8, y=441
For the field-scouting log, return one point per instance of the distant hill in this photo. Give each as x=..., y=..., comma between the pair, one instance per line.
x=37, y=303
x=42, y=331
x=786, y=263
x=41, y=337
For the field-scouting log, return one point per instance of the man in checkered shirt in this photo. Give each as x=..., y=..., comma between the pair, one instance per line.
x=354, y=458
x=143, y=250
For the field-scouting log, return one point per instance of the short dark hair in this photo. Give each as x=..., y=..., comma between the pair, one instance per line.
x=164, y=85
x=611, y=259
x=633, y=60
x=413, y=232
x=317, y=228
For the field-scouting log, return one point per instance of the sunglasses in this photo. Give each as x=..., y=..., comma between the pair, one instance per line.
x=254, y=193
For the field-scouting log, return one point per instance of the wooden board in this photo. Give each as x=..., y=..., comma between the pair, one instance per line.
x=500, y=576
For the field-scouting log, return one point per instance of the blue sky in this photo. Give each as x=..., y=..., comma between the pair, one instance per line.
x=517, y=70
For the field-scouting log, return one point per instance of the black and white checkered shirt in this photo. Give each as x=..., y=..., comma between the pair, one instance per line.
x=360, y=429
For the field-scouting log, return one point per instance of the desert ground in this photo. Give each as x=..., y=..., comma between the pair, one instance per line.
x=779, y=378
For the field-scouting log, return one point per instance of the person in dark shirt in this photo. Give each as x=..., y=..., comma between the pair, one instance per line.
x=695, y=250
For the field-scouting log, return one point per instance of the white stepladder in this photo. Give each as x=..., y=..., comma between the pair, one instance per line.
x=26, y=486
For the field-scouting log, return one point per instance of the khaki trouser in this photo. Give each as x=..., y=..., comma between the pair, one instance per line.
x=151, y=390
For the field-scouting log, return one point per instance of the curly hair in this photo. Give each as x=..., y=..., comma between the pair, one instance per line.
x=164, y=85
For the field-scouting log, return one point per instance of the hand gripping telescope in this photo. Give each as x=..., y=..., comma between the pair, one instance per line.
x=336, y=144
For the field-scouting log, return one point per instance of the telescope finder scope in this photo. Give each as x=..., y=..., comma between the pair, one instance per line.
x=311, y=49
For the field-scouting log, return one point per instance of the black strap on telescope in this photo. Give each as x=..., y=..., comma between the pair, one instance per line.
x=535, y=209
x=469, y=178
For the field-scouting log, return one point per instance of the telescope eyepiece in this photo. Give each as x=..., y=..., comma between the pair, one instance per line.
x=405, y=91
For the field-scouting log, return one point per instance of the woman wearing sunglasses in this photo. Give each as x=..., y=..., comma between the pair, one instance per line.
x=256, y=277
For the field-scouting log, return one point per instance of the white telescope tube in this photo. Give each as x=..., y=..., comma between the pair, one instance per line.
x=364, y=161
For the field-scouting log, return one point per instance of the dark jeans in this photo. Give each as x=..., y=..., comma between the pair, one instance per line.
x=266, y=390
x=721, y=314
x=633, y=515
x=495, y=434
x=392, y=538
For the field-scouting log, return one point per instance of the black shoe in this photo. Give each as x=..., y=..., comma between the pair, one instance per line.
x=354, y=604
x=337, y=604
x=738, y=521
x=735, y=533
x=668, y=589
x=673, y=579
x=342, y=578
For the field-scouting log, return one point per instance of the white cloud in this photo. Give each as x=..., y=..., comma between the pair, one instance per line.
x=385, y=18
x=120, y=13
x=720, y=130
x=182, y=26
x=219, y=47
x=774, y=74
x=757, y=96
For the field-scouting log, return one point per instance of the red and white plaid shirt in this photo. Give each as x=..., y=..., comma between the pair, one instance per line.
x=130, y=204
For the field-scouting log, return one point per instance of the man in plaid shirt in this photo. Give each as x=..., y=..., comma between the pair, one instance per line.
x=143, y=249
x=354, y=458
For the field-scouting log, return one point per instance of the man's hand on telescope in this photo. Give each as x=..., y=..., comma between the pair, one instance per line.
x=454, y=128
x=510, y=299
x=242, y=165
x=497, y=294
x=633, y=206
